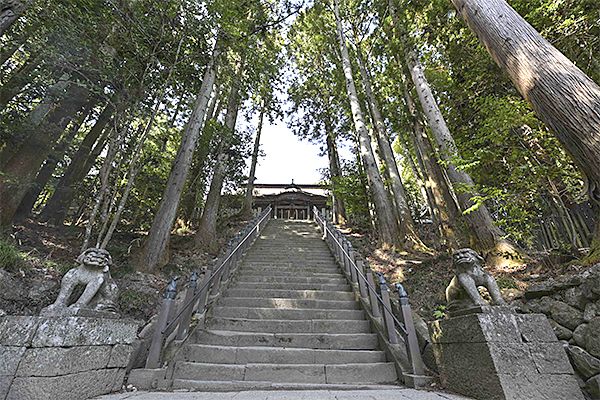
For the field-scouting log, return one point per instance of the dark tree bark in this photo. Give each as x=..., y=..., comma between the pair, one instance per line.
x=47, y=170
x=335, y=172
x=56, y=208
x=10, y=11
x=20, y=171
x=247, y=207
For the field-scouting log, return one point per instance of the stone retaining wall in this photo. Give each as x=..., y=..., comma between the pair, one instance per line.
x=572, y=306
x=67, y=358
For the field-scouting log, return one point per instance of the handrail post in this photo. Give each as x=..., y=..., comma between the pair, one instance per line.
x=184, y=324
x=346, y=255
x=389, y=320
x=361, y=283
x=163, y=318
x=372, y=296
x=217, y=279
x=412, y=343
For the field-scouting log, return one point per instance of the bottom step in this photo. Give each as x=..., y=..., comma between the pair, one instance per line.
x=359, y=373
x=229, y=386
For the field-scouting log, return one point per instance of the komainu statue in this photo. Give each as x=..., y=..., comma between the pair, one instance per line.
x=100, y=293
x=462, y=291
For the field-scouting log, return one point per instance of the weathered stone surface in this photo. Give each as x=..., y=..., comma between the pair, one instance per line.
x=566, y=315
x=54, y=361
x=590, y=312
x=146, y=378
x=540, y=387
x=586, y=364
x=81, y=331
x=589, y=336
x=475, y=328
x=9, y=359
x=560, y=331
x=541, y=289
x=538, y=306
x=550, y=358
x=578, y=335
x=591, y=284
x=5, y=382
x=575, y=298
x=535, y=328
x=78, y=386
x=593, y=386
x=119, y=356
x=17, y=331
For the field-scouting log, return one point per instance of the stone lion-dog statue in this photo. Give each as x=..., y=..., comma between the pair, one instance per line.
x=462, y=291
x=100, y=293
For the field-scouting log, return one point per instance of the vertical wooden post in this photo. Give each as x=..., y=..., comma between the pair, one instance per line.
x=362, y=286
x=389, y=320
x=412, y=342
x=163, y=318
x=184, y=323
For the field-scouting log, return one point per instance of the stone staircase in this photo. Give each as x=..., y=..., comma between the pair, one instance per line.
x=288, y=319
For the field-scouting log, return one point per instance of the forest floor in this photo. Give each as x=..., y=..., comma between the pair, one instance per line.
x=49, y=252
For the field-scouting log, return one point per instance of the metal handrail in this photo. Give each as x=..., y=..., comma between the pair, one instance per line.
x=209, y=280
x=184, y=315
x=407, y=328
x=380, y=300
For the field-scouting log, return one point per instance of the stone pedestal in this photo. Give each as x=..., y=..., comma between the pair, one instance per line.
x=68, y=358
x=504, y=356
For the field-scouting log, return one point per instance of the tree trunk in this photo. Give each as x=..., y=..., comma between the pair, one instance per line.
x=20, y=171
x=10, y=11
x=167, y=210
x=56, y=208
x=247, y=207
x=407, y=223
x=387, y=223
x=18, y=80
x=206, y=235
x=44, y=175
x=562, y=96
x=335, y=172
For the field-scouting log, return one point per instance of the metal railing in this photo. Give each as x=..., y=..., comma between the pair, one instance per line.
x=353, y=266
x=196, y=299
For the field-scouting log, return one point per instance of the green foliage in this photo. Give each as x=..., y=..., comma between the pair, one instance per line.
x=440, y=312
x=506, y=282
x=10, y=258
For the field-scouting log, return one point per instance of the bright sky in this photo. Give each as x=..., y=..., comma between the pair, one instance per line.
x=287, y=157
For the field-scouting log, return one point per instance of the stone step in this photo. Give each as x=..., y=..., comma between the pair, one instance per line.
x=290, y=313
x=338, y=341
x=289, y=373
x=277, y=355
x=293, y=286
x=288, y=326
x=292, y=255
x=291, y=279
x=289, y=294
x=296, y=274
x=235, y=386
x=288, y=303
x=289, y=269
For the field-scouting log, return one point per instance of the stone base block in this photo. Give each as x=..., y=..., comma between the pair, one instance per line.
x=503, y=356
x=145, y=378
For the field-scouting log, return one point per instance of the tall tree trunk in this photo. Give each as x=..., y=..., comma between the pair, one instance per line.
x=18, y=80
x=49, y=167
x=386, y=221
x=407, y=225
x=566, y=99
x=335, y=172
x=56, y=208
x=20, y=171
x=155, y=245
x=206, y=235
x=247, y=207
x=10, y=11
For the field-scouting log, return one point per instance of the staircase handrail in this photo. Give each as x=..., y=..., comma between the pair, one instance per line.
x=407, y=329
x=242, y=240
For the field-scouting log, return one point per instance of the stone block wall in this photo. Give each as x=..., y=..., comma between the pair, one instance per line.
x=503, y=357
x=572, y=306
x=67, y=358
